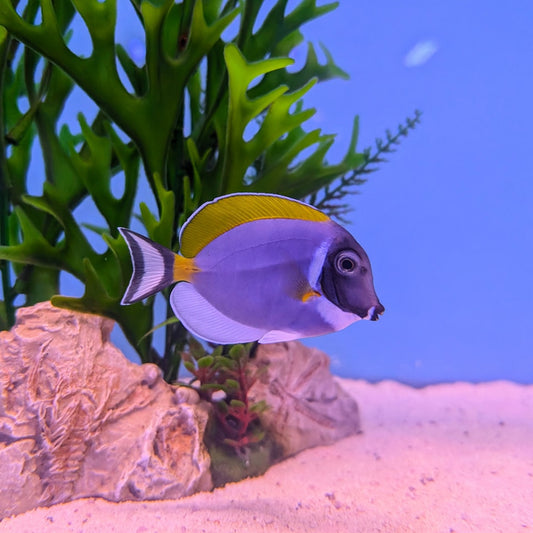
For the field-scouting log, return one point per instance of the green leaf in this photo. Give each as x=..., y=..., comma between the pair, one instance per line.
x=94, y=168
x=136, y=75
x=206, y=361
x=167, y=322
x=259, y=407
x=217, y=352
x=277, y=26
x=75, y=246
x=312, y=69
x=34, y=249
x=237, y=352
x=222, y=407
x=210, y=386
x=225, y=362
x=161, y=230
x=190, y=366
x=4, y=322
x=241, y=110
x=231, y=384
x=196, y=348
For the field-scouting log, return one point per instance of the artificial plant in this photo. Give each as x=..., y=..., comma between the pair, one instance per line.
x=201, y=61
x=236, y=441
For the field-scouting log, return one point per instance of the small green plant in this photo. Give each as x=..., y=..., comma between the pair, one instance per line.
x=212, y=69
x=225, y=380
x=236, y=440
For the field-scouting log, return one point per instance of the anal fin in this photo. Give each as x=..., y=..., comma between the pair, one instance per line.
x=207, y=322
x=279, y=336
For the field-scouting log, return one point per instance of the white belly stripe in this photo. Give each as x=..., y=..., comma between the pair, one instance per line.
x=317, y=263
x=334, y=316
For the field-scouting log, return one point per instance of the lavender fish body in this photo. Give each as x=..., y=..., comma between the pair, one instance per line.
x=258, y=267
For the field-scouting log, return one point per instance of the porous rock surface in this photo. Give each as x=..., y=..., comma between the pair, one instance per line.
x=78, y=419
x=306, y=406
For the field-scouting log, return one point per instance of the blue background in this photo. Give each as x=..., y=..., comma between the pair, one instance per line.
x=447, y=222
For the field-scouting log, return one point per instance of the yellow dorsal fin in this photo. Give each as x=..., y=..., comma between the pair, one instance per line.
x=222, y=214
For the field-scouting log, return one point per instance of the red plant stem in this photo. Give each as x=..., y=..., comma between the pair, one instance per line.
x=242, y=415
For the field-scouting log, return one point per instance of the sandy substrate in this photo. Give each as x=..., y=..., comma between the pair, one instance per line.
x=446, y=458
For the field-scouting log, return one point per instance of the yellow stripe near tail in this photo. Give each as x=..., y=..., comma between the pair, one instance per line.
x=184, y=268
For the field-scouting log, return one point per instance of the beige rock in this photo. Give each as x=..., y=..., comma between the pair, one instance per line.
x=307, y=407
x=77, y=419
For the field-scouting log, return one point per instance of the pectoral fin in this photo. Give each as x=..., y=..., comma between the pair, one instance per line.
x=311, y=293
x=304, y=292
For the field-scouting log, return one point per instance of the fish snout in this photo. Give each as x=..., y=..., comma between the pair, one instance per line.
x=374, y=312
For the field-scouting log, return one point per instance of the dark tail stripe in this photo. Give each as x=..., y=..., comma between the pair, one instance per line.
x=153, y=267
x=138, y=267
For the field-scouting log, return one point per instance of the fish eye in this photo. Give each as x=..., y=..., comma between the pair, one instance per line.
x=346, y=262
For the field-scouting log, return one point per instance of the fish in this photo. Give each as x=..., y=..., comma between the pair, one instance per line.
x=257, y=267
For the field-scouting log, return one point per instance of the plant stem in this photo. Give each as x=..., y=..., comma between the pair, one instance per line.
x=4, y=186
x=205, y=129
x=339, y=190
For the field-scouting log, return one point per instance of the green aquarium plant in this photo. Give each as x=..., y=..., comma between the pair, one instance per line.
x=175, y=126
x=236, y=441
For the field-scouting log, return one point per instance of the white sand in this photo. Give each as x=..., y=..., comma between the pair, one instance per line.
x=446, y=458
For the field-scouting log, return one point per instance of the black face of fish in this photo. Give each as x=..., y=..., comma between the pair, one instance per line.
x=346, y=279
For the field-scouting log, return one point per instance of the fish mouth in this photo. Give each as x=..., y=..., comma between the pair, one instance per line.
x=374, y=312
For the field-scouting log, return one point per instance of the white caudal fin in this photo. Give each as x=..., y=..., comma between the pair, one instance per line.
x=153, y=267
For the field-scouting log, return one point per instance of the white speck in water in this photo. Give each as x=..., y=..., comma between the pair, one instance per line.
x=421, y=53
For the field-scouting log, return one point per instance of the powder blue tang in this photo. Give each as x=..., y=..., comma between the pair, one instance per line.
x=258, y=267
